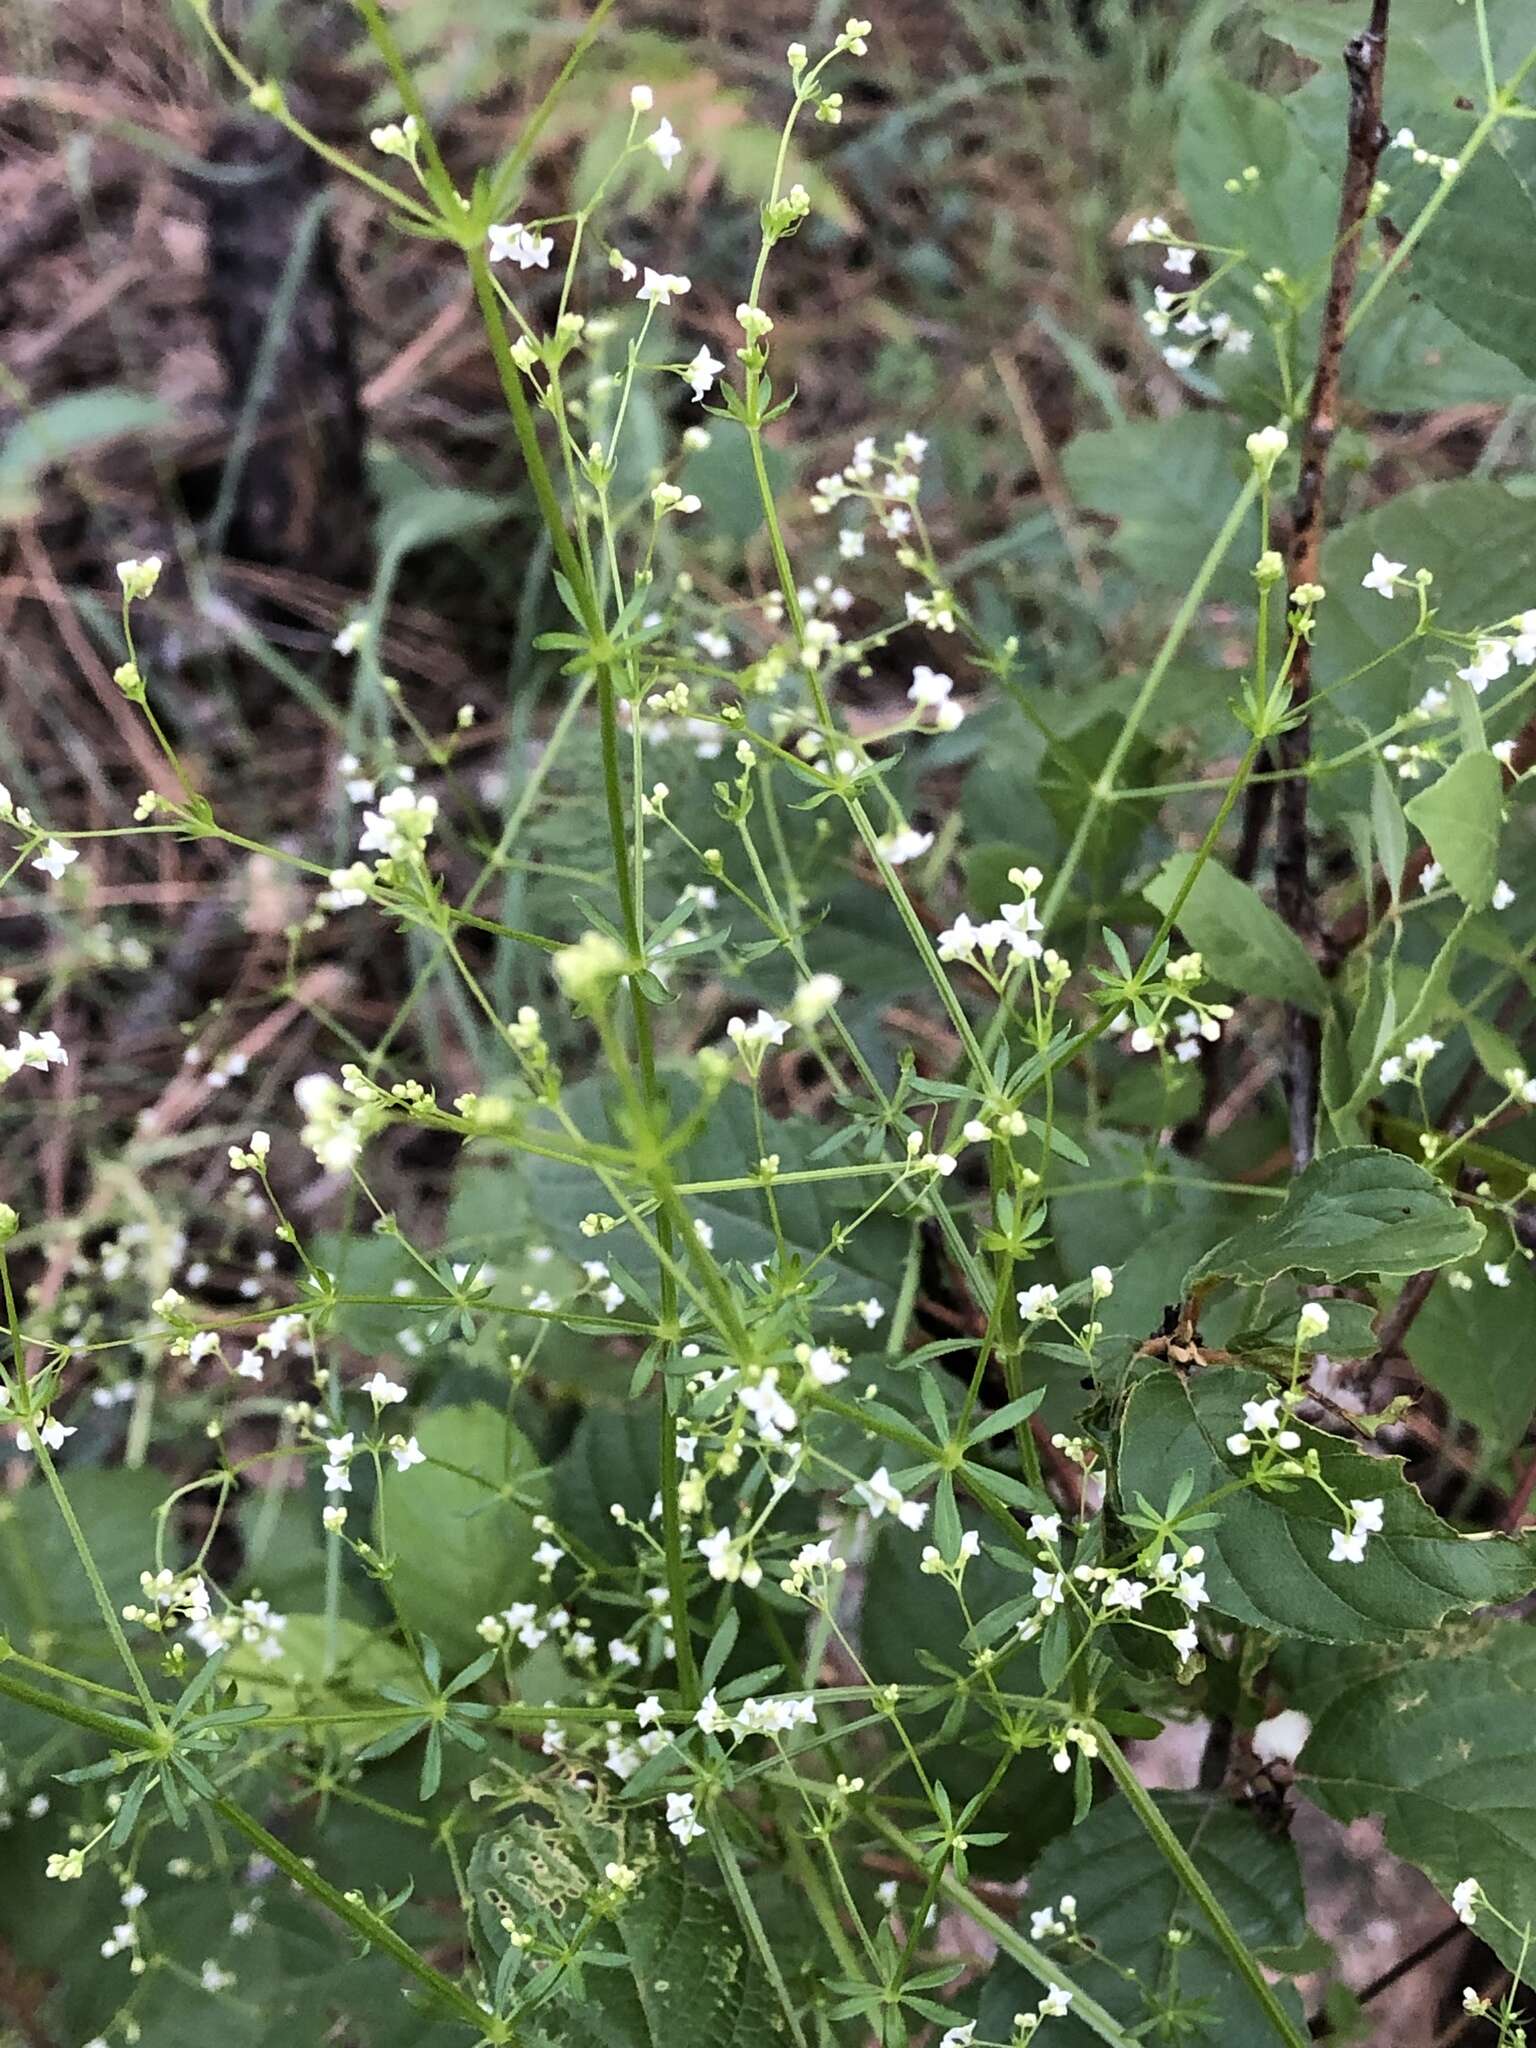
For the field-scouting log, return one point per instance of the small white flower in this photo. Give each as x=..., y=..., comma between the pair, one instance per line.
x=1312, y=1321
x=661, y=287
x=1498, y=1273
x=641, y=98
x=1503, y=895
x=1382, y=575
x=680, y=1817
x=1126, y=1593
x=880, y=1497
x=55, y=858
x=823, y=1368
x=1102, y=1281
x=513, y=243
x=1035, y=1302
x=702, y=372
x=406, y=1452
x=665, y=144
x=764, y=1030
x=1347, y=1546
x=930, y=687
x=1465, y=1900
x=1282, y=1737
x=1490, y=664
x=381, y=1391
x=904, y=845
x=52, y=1433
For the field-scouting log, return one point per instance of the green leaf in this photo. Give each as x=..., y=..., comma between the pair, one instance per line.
x=1440, y=1748
x=686, y=1974
x=1357, y=1211
x=1474, y=1347
x=1283, y=219
x=722, y=476
x=1128, y=1901
x=1460, y=816
x=1241, y=938
x=1480, y=541
x=1267, y=1557
x=1388, y=828
x=64, y=428
x=1169, y=483
x=1474, y=262
x=909, y=1622
x=46, y=1603
x=417, y=513
x=462, y=1548
x=321, y=1673
x=739, y=1220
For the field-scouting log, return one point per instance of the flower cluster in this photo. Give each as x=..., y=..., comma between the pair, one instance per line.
x=1185, y=309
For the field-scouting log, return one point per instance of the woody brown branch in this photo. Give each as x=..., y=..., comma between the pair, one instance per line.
x=1365, y=60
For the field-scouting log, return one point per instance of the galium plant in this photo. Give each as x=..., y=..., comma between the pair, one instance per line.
x=671, y=1600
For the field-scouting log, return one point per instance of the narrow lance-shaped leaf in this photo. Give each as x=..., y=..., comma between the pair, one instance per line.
x=1242, y=940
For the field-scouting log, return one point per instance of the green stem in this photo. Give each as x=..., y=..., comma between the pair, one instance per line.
x=1174, y=1854
x=1010, y=1941
x=363, y=1921
x=741, y=1898
x=1102, y=791
x=71, y=1521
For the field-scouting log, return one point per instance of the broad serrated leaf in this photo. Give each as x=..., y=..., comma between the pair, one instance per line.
x=1479, y=540
x=687, y=1976
x=1169, y=483
x=1474, y=1347
x=462, y=1547
x=1267, y=1555
x=1242, y=940
x=1440, y=1748
x=1128, y=1901
x=1357, y=1211
x=1459, y=816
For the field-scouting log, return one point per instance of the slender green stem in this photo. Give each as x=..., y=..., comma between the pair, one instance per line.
x=1102, y=790
x=71, y=1520
x=1174, y=1854
x=741, y=1898
x=115, y=1728
x=363, y=1921
x=1039, y=1965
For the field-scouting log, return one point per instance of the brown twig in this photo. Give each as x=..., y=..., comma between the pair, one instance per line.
x=1365, y=60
